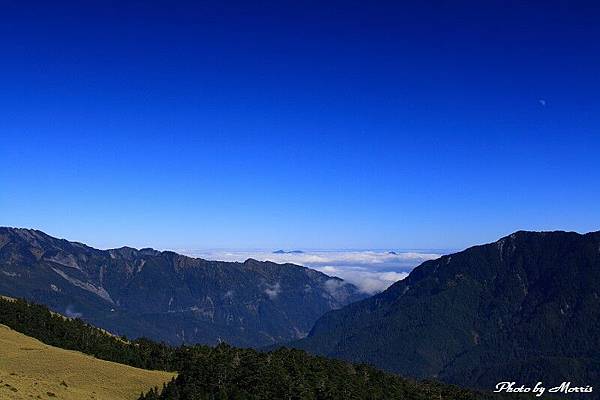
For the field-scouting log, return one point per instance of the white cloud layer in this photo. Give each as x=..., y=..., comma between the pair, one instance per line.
x=273, y=291
x=371, y=271
x=370, y=282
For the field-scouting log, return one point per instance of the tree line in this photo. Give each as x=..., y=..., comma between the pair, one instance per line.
x=225, y=372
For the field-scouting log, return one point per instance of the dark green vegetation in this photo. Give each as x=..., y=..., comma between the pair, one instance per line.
x=230, y=373
x=225, y=372
x=39, y=322
x=526, y=308
x=167, y=296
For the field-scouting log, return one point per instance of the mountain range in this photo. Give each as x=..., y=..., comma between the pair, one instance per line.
x=167, y=296
x=525, y=308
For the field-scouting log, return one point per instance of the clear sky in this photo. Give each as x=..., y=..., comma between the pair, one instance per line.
x=297, y=124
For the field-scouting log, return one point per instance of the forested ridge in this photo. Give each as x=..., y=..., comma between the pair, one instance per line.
x=225, y=372
x=54, y=329
x=525, y=308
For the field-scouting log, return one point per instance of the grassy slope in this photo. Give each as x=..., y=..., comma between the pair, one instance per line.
x=34, y=369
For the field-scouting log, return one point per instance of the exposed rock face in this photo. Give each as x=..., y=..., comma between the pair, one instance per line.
x=525, y=308
x=167, y=296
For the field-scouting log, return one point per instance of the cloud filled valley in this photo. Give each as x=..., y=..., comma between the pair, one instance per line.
x=372, y=271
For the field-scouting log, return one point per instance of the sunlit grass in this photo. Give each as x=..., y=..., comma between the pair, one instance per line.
x=32, y=369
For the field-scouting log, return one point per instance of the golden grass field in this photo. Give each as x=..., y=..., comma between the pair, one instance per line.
x=30, y=369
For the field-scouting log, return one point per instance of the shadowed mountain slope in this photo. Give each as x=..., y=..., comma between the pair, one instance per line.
x=167, y=296
x=525, y=308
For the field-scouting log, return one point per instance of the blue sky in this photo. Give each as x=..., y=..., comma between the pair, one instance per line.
x=299, y=124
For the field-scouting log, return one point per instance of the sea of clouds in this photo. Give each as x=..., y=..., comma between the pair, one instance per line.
x=371, y=271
